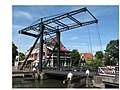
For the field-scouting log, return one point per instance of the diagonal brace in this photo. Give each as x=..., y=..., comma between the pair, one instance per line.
x=30, y=51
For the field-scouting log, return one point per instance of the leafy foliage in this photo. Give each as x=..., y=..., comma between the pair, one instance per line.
x=21, y=56
x=90, y=62
x=14, y=53
x=112, y=52
x=99, y=55
x=96, y=62
x=75, y=57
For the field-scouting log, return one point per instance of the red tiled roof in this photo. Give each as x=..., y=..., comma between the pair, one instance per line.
x=87, y=56
x=54, y=41
x=51, y=44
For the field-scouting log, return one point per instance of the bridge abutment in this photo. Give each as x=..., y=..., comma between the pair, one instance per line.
x=40, y=76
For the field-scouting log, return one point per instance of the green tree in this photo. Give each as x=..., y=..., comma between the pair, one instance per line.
x=99, y=58
x=75, y=57
x=99, y=55
x=14, y=53
x=21, y=56
x=95, y=62
x=112, y=53
x=98, y=62
x=90, y=62
x=107, y=59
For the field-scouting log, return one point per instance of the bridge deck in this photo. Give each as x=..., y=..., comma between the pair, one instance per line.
x=64, y=73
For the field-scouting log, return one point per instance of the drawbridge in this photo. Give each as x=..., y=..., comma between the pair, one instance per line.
x=55, y=25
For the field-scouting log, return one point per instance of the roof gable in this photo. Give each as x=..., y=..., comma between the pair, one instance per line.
x=51, y=43
x=87, y=56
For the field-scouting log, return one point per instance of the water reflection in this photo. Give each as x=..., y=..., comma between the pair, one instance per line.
x=49, y=83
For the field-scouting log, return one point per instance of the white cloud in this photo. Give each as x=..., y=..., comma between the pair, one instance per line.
x=23, y=14
x=74, y=38
x=76, y=46
x=17, y=27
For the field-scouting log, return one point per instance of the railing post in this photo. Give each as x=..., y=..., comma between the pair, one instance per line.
x=117, y=73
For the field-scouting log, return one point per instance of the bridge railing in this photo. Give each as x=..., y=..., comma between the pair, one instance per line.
x=109, y=71
x=80, y=69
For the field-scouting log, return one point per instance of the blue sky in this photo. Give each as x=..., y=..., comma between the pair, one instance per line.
x=108, y=26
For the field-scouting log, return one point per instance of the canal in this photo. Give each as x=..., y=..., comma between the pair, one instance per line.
x=48, y=83
x=57, y=82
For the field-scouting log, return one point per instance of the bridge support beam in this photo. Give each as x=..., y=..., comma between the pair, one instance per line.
x=58, y=48
x=21, y=68
x=41, y=46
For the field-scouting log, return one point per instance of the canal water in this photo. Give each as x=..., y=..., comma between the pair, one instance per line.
x=48, y=83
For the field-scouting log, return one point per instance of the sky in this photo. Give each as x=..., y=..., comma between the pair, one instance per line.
x=92, y=38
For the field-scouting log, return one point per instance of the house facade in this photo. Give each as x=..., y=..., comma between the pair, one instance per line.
x=49, y=54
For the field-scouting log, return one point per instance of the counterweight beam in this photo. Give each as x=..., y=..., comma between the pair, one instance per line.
x=51, y=29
